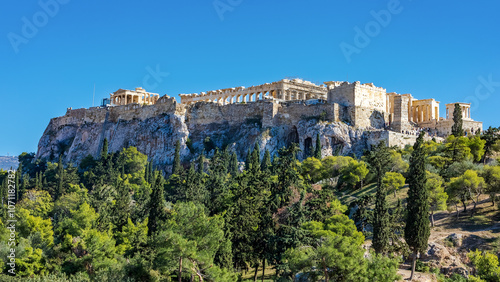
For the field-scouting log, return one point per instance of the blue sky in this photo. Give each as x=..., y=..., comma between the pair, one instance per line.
x=54, y=51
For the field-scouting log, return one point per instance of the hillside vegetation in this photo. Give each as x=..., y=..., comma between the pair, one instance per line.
x=271, y=218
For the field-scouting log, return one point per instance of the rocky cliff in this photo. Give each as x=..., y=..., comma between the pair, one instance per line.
x=155, y=129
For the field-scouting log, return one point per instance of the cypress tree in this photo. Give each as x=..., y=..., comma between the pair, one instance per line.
x=201, y=163
x=18, y=177
x=40, y=179
x=3, y=191
x=317, y=149
x=177, y=168
x=193, y=187
x=381, y=222
x=417, y=230
x=151, y=172
x=190, y=193
x=24, y=183
x=60, y=178
x=457, y=129
x=37, y=184
x=226, y=158
x=156, y=209
x=146, y=173
x=255, y=158
x=379, y=159
x=122, y=206
x=266, y=161
x=491, y=137
x=233, y=164
x=104, y=151
x=248, y=159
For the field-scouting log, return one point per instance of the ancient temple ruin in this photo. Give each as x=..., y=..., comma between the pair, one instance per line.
x=138, y=96
x=360, y=105
x=283, y=90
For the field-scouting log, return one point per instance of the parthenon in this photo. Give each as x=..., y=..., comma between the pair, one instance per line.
x=283, y=90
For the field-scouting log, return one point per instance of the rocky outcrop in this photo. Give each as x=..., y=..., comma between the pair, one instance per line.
x=155, y=129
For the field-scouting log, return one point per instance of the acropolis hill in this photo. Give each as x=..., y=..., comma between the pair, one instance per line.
x=350, y=117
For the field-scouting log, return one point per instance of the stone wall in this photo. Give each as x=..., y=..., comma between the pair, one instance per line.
x=444, y=126
x=357, y=95
x=155, y=129
x=341, y=93
x=395, y=138
x=400, y=121
x=367, y=118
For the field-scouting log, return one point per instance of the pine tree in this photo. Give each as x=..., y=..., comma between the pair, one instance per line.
x=417, y=230
x=379, y=159
x=457, y=129
x=266, y=161
x=104, y=151
x=317, y=149
x=177, y=168
x=156, y=209
x=233, y=164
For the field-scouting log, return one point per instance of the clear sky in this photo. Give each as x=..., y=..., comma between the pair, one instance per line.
x=52, y=52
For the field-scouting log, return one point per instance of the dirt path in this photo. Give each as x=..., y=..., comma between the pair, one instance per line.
x=419, y=276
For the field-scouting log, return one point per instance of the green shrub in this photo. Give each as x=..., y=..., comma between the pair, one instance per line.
x=189, y=144
x=422, y=266
x=485, y=264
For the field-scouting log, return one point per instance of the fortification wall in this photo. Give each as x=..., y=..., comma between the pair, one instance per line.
x=469, y=126
x=401, y=140
x=343, y=94
x=357, y=95
x=265, y=112
x=369, y=96
x=395, y=138
x=203, y=113
x=292, y=113
x=125, y=112
x=367, y=118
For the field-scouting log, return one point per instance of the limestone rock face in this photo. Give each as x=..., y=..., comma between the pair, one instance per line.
x=155, y=129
